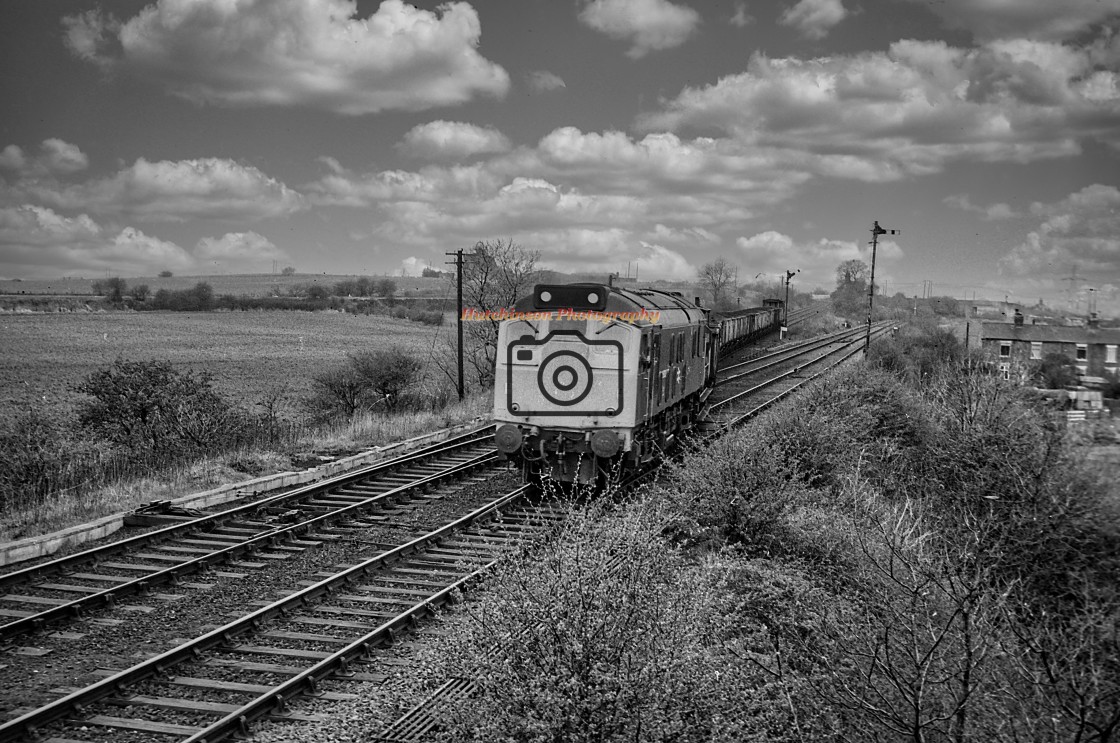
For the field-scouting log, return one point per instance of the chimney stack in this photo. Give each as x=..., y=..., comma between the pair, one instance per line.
x=1018, y=317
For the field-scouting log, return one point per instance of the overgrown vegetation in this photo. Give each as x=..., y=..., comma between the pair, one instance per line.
x=914, y=552
x=137, y=419
x=369, y=380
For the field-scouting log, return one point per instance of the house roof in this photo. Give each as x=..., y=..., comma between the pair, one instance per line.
x=1005, y=331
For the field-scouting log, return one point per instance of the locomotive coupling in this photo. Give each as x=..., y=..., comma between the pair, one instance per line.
x=508, y=439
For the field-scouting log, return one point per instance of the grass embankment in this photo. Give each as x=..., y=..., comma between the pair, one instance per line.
x=23, y=518
x=56, y=473
x=870, y=562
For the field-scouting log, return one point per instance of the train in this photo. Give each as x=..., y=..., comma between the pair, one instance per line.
x=592, y=380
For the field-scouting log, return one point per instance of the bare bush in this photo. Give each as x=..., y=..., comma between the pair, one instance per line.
x=367, y=381
x=156, y=411
x=608, y=636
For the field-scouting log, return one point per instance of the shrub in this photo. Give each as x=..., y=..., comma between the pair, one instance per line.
x=608, y=636
x=734, y=490
x=199, y=298
x=387, y=290
x=38, y=457
x=388, y=373
x=917, y=351
x=155, y=411
x=367, y=380
x=1054, y=371
x=113, y=289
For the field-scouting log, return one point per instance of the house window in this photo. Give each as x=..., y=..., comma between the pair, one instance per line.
x=1005, y=350
x=1036, y=350
x=1082, y=352
x=1005, y=371
x=1110, y=354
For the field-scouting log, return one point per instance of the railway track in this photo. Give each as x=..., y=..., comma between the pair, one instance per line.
x=216, y=685
x=333, y=630
x=768, y=381
x=272, y=528
x=756, y=384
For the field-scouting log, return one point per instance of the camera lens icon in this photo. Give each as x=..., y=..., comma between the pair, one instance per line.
x=564, y=378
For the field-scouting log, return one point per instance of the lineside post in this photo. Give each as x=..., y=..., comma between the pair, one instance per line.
x=459, y=313
x=875, y=232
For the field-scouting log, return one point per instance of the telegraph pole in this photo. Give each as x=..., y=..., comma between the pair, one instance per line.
x=875, y=232
x=459, y=312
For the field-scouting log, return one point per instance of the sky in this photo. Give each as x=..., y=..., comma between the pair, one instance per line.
x=651, y=136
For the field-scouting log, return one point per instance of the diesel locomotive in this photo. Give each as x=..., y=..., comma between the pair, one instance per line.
x=591, y=379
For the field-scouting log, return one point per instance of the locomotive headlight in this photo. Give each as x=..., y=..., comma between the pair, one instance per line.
x=605, y=443
x=508, y=438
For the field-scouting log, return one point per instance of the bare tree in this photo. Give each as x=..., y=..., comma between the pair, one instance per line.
x=915, y=661
x=851, y=272
x=495, y=275
x=717, y=277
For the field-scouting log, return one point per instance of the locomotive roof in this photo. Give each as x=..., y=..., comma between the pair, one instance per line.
x=672, y=309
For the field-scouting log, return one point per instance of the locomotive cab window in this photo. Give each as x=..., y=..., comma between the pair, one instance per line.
x=643, y=353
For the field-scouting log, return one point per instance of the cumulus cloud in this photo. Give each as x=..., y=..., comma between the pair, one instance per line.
x=692, y=191
x=813, y=19
x=1082, y=232
x=579, y=250
x=32, y=237
x=12, y=158
x=414, y=266
x=993, y=212
x=542, y=81
x=649, y=25
x=452, y=140
x=571, y=178
x=173, y=191
x=1035, y=19
x=56, y=158
x=909, y=110
x=312, y=53
x=238, y=252
x=741, y=17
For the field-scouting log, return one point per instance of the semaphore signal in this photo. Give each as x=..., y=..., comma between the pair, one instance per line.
x=875, y=232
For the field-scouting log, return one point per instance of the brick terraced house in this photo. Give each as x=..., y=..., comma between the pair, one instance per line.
x=1016, y=346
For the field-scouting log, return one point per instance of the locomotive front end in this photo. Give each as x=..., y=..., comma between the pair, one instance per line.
x=561, y=402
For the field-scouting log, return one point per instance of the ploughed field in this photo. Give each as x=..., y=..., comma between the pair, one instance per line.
x=250, y=354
